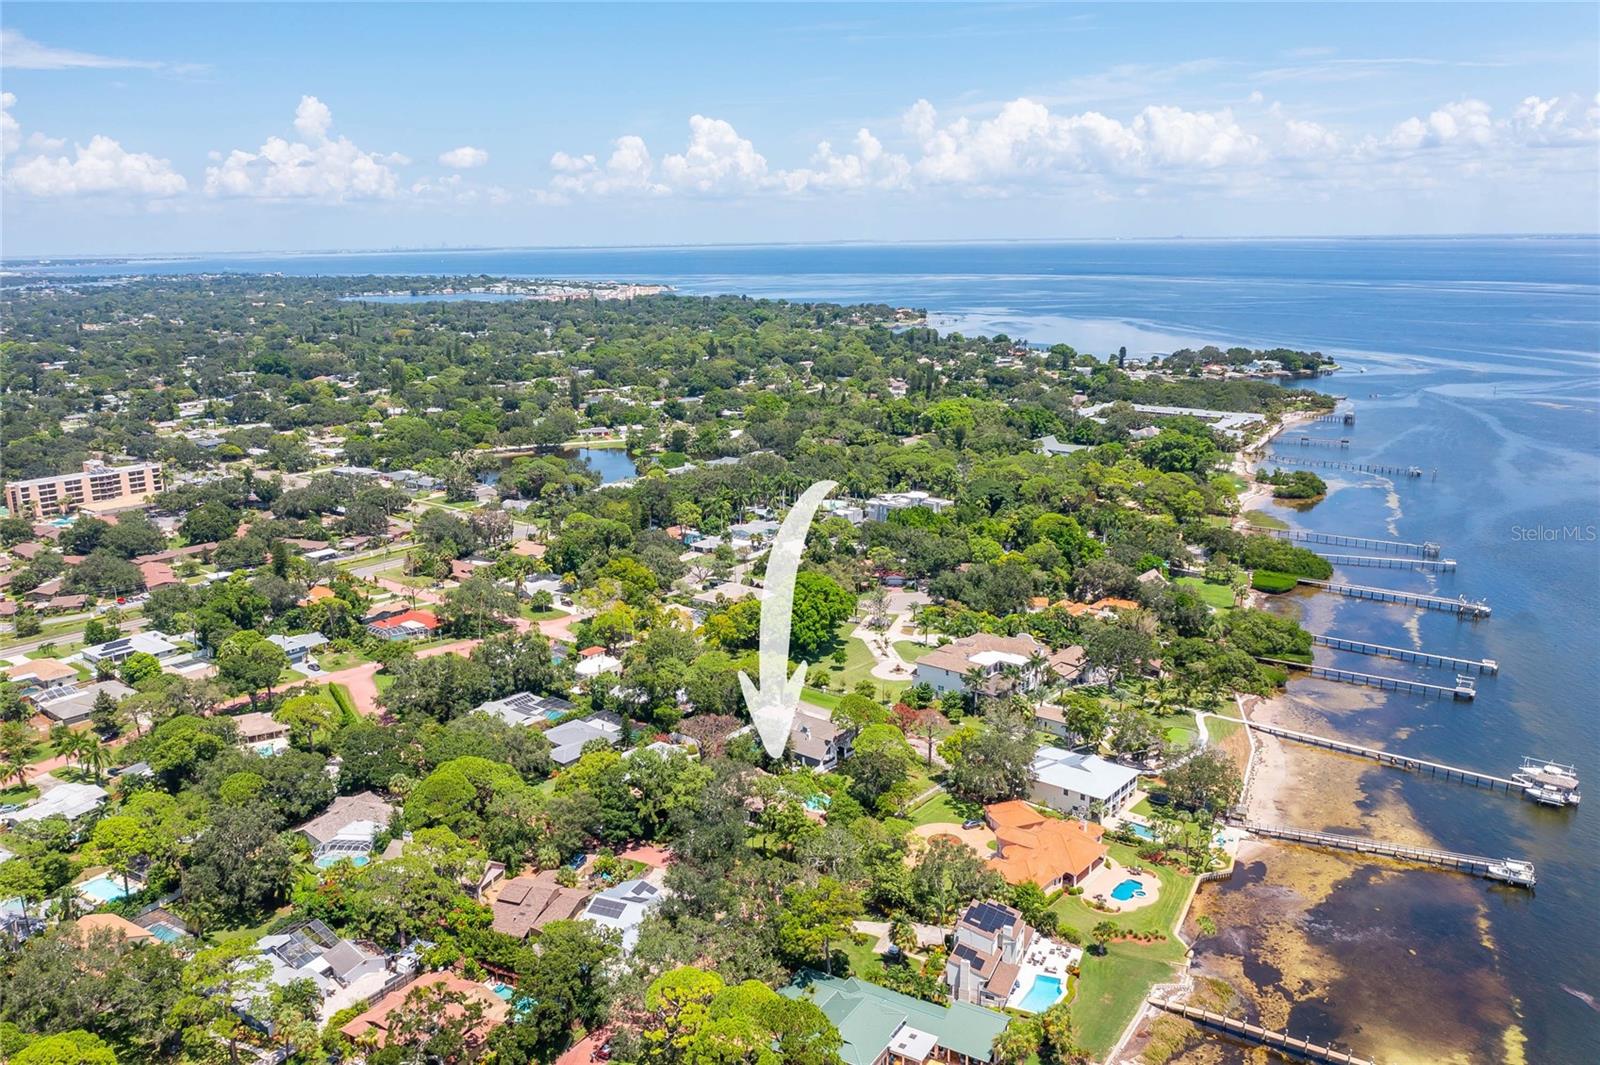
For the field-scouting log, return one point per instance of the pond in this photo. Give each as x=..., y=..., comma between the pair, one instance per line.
x=613, y=464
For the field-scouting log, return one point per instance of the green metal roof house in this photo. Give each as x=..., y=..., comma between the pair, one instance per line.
x=883, y=1027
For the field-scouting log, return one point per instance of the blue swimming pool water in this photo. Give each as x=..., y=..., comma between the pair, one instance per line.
x=1128, y=889
x=327, y=861
x=1142, y=831
x=165, y=932
x=1045, y=992
x=103, y=888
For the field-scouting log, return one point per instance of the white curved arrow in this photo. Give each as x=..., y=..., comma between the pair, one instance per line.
x=773, y=704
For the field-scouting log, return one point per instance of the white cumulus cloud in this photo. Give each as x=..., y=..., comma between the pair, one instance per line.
x=101, y=167
x=464, y=158
x=321, y=167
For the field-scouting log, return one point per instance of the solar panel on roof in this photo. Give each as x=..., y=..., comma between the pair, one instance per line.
x=608, y=908
x=988, y=917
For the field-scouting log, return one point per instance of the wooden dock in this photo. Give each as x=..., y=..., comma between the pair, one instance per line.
x=1388, y=595
x=1431, y=565
x=1464, y=689
x=1357, y=467
x=1398, y=761
x=1473, y=864
x=1364, y=543
x=1346, y=417
x=1308, y=441
x=1406, y=654
x=1272, y=1038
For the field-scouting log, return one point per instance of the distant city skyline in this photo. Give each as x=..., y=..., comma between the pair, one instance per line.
x=150, y=128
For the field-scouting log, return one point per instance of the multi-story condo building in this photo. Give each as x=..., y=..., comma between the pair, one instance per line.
x=97, y=488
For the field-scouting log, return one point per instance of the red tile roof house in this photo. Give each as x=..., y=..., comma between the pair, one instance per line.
x=407, y=625
x=373, y=1027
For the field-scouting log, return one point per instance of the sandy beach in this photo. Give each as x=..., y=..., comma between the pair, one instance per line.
x=1256, y=493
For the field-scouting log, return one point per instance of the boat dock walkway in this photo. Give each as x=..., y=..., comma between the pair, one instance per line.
x=1464, y=689
x=1398, y=761
x=1434, y=565
x=1388, y=595
x=1274, y=1039
x=1308, y=441
x=1405, y=654
x=1473, y=864
x=1364, y=543
x=1358, y=467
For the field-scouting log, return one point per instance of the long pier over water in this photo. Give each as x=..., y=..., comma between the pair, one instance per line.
x=1389, y=595
x=1398, y=761
x=1280, y=1041
x=1463, y=690
x=1507, y=870
x=1364, y=543
x=1406, y=654
x=1334, y=464
x=1434, y=565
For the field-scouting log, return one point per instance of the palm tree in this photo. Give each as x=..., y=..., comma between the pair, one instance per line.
x=64, y=742
x=974, y=679
x=94, y=755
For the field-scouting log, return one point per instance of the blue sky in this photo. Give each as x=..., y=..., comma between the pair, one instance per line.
x=167, y=127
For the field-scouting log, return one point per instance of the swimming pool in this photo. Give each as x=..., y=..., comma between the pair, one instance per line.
x=1045, y=992
x=1142, y=831
x=165, y=932
x=103, y=888
x=328, y=861
x=1128, y=889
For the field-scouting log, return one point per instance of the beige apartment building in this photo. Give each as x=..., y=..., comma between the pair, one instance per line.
x=98, y=488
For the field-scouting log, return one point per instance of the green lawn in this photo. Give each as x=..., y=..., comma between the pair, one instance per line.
x=1217, y=596
x=943, y=809
x=1262, y=520
x=1111, y=988
x=864, y=960
x=18, y=796
x=1219, y=730
x=334, y=661
x=1182, y=735
x=542, y=615
x=910, y=650
x=858, y=663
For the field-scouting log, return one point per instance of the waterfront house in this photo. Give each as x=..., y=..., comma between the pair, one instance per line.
x=1034, y=847
x=883, y=1027
x=1073, y=783
x=989, y=944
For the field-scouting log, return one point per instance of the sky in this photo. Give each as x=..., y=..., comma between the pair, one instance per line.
x=150, y=128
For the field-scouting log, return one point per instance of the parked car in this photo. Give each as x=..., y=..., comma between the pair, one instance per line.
x=972, y=822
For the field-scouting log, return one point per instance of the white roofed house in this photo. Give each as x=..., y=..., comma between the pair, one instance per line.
x=624, y=907
x=122, y=648
x=71, y=705
x=1074, y=783
x=526, y=708
x=67, y=799
x=878, y=508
